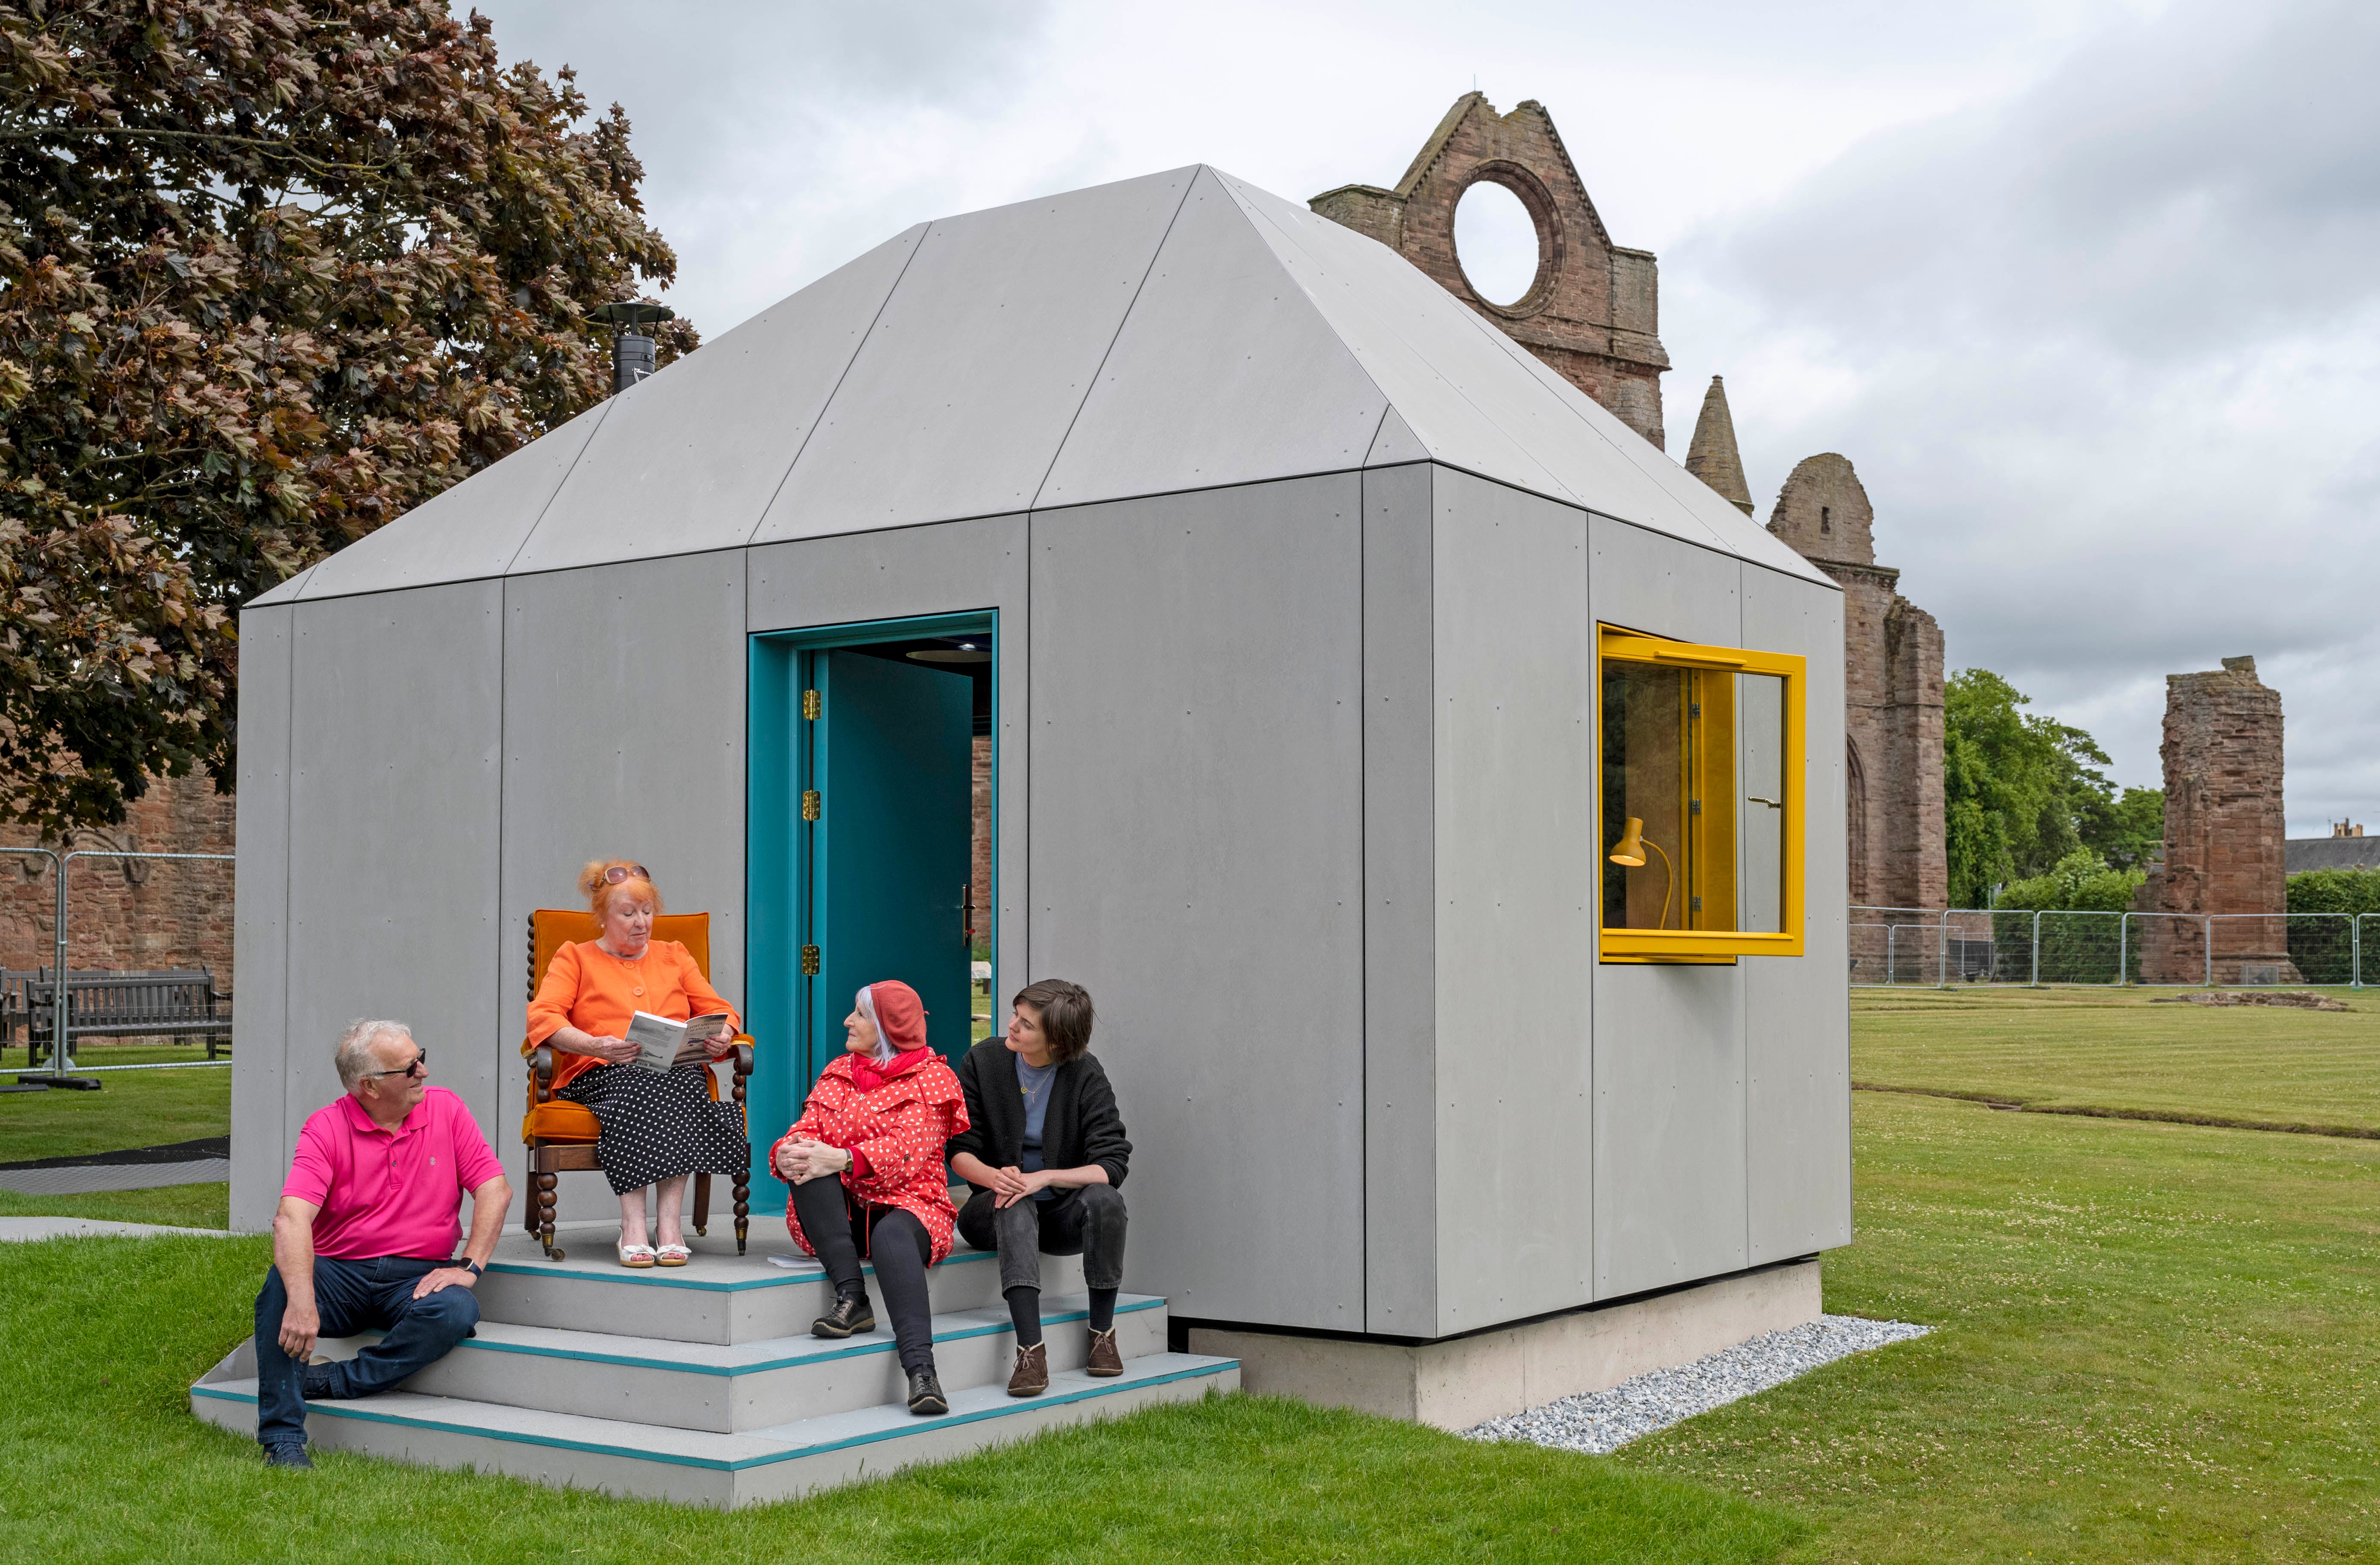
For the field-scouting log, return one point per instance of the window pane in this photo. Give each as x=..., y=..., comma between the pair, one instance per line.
x=1762, y=699
x=1645, y=761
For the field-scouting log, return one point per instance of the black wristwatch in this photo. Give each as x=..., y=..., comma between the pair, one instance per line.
x=472, y=1266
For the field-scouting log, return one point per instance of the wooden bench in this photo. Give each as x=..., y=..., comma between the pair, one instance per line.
x=179, y=1003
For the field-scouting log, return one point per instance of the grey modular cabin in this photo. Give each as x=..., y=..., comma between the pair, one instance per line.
x=1342, y=668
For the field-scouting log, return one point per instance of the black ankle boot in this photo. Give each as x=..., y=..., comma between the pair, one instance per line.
x=926, y=1398
x=850, y=1314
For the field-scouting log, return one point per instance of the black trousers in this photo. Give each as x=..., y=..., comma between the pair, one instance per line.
x=1088, y=1221
x=898, y=1246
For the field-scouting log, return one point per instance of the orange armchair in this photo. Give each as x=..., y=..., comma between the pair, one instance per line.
x=561, y=1134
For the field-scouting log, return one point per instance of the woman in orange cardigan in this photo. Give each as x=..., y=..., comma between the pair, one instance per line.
x=658, y=1127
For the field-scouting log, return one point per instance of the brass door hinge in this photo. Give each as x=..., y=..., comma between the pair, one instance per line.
x=810, y=804
x=813, y=703
x=810, y=961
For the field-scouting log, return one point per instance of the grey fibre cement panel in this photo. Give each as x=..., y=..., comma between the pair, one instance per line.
x=1669, y=1125
x=1401, y=1211
x=1683, y=506
x=1797, y=1009
x=950, y=567
x=261, y=925
x=395, y=820
x=1410, y=336
x=689, y=459
x=1197, y=864
x=968, y=382
x=624, y=734
x=1513, y=691
x=1668, y=1040
x=1224, y=373
x=1646, y=581
x=467, y=533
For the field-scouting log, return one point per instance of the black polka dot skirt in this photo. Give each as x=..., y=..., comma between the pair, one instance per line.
x=659, y=1124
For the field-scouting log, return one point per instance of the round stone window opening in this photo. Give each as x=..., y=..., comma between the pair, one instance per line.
x=1498, y=244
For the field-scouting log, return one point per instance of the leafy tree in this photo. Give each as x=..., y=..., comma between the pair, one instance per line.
x=2022, y=792
x=2073, y=950
x=2335, y=890
x=2126, y=830
x=2080, y=883
x=271, y=273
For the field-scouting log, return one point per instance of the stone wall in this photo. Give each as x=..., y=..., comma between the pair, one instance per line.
x=2224, y=831
x=1593, y=311
x=136, y=914
x=1893, y=688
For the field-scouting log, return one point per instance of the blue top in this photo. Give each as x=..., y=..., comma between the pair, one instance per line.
x=1033, y=1082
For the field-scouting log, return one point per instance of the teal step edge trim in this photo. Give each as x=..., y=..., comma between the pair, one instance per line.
x=1207, y=1370
x=664, y=1277
x=826, y=1353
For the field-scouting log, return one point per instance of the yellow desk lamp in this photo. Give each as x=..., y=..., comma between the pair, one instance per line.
x=1629, y=852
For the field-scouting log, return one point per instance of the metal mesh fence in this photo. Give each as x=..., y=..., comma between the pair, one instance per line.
x=1942, y=947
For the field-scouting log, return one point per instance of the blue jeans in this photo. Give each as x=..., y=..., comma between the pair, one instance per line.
x=352, y=1296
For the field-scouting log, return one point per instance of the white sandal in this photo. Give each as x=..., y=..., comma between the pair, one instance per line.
x=637, y=1257
x=672, y=1254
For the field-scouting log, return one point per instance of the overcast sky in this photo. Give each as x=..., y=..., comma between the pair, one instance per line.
x=2087, y=290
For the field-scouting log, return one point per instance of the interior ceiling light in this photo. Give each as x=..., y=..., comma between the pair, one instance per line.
x=951, y=655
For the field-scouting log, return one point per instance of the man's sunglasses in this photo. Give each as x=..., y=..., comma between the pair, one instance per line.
x=620, y=872
x=420, y=1066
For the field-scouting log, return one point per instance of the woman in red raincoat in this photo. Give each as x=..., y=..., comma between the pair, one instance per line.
x=865, y=1163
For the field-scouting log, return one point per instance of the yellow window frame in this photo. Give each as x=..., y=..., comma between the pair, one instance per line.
x=1614, y=643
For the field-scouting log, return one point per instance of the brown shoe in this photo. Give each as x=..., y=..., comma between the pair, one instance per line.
x=1105, y=1360
x=1032, y=1376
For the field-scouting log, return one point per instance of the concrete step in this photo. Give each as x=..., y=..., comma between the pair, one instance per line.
x=701, y=1467
x=720, y=1297
x=750, y=1385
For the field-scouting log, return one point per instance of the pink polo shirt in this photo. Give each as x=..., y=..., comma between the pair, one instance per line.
x=384, y=1194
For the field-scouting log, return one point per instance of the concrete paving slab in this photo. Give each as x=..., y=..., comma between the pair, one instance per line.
x=84, y=1178
x=90, y=1227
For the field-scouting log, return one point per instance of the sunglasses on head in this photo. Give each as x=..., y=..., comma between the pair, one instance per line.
x=620, y=872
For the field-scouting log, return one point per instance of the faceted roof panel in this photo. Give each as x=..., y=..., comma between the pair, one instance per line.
x=1180, y=331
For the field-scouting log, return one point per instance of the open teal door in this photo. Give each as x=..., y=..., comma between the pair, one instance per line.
x=891, y=758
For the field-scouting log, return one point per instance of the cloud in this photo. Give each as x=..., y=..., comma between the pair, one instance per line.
x=2084, y=287
x=2106, y=351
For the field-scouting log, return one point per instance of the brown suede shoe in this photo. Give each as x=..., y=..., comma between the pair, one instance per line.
x=1105, y=1360
x=1032, y=1376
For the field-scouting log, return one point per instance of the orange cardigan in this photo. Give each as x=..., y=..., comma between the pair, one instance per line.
x=587, y=987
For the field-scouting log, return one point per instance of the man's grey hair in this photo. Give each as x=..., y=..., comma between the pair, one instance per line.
x=356, y=1060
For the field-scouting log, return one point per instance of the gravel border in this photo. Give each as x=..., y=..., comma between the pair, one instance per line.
x=1598, y=1421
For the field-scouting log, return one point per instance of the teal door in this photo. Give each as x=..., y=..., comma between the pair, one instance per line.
x=889, y=861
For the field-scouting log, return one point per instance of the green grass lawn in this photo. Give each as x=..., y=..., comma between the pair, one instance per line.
x=116, y=1469
x=2155, y=1341
x=2126, y=1051
x=134, y=1109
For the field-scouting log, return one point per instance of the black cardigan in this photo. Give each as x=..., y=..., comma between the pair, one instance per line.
x=1080, y=1128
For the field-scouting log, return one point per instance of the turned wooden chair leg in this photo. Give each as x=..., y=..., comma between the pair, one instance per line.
x=545, y=1182
x=528, y=1207
x=742, y=1208
x=701, y=1205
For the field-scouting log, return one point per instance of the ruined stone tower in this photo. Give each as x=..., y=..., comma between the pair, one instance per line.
x=2224, y=831
x=1593, y=311
x=1712, y=457
x=1592, y=314
x=1892, y=687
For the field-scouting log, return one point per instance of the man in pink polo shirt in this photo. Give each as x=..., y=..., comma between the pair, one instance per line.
x=365, y=1232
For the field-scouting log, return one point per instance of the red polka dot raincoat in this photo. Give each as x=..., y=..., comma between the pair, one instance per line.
x=897, y=1129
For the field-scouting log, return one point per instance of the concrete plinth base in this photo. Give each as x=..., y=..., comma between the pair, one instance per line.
x=1458, y=1382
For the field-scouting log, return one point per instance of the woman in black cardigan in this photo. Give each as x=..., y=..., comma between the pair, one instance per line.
x=1044, y=1152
